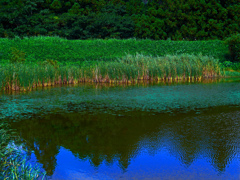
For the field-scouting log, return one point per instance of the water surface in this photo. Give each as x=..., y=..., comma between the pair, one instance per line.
x=159, y=131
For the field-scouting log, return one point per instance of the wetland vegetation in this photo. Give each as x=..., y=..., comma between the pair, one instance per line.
x=29, y=63
x=13, y=163
x=46, y=61
x=103, y=108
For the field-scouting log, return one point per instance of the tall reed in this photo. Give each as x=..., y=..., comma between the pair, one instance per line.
x=127, y=69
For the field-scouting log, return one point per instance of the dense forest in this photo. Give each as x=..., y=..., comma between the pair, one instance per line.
x=121, y=19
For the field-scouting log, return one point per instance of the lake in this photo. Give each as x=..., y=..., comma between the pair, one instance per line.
x=185, y=130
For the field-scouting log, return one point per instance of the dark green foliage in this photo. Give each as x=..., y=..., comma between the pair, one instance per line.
x=149, y=27
x=233, y=43
x=56, y=4
x=79, y=28
x=112, y=26
x=188, y=19
x=103, y=25
x=231, y=65
x=16, y=16
x=114, y=9
x=76, y=9
x=15, y=12
x=135, y=7
x=155, y=19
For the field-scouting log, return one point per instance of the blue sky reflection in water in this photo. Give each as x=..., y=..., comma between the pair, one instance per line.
x=185, y=131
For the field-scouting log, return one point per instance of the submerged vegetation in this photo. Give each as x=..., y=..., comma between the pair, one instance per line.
x=129, y=69
x=12, y=163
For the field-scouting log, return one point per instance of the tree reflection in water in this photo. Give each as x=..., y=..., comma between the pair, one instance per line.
x=213, y=134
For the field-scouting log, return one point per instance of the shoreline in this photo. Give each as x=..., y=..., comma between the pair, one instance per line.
x=15, y=88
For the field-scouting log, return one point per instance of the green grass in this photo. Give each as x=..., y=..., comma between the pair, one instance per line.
x=232, y=73
x=40, y=48
x=53, y=60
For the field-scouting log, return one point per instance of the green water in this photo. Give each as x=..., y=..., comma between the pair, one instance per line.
x=155, y=131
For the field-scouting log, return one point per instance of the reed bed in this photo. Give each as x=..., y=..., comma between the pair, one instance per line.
x=128, y=69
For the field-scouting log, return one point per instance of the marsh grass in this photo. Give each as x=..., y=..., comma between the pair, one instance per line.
x=128, y=69
x=40, y=48
x=12, y=163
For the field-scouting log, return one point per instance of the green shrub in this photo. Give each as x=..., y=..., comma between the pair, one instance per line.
x=233, y=43
x=231, y=65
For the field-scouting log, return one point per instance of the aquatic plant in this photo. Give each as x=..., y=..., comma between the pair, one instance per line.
x=12, y=164
x=127, y=69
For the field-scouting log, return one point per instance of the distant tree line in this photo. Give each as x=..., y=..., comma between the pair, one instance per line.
x=121, y=19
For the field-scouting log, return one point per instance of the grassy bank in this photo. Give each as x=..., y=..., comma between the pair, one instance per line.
x=37, y=49
x=46, y=61
x=128, y=69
